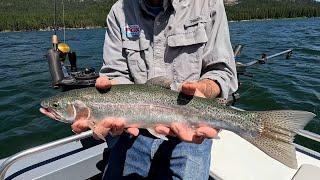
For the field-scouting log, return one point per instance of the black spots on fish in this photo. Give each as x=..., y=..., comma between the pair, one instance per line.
x=184, y=99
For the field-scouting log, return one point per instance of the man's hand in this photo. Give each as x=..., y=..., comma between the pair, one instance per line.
x=103, y=83
x=205, y=88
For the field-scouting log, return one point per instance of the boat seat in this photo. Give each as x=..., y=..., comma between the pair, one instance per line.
x=307, y=171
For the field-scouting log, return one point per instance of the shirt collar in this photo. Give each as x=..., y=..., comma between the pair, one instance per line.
x=166, y=4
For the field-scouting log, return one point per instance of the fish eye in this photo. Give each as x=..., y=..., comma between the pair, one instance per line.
x=56, y=104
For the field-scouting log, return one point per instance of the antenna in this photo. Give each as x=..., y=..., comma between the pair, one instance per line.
x=54, y=36
x=55, y=17
x=64, y=25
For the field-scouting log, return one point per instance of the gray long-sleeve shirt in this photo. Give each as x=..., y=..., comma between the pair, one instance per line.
x=189, y=40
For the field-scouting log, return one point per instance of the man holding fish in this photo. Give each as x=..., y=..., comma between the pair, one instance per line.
x=186, y=41
x=177, y=57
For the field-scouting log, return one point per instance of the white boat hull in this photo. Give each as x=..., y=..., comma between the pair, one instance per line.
x=233, y=158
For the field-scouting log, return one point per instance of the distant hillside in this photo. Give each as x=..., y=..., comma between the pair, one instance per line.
x=272, y=9
x=38, y=14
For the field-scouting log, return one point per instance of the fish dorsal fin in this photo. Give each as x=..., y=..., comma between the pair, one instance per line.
x=160, y=81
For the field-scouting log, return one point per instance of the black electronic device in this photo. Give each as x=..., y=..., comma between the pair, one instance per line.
x=69, y=77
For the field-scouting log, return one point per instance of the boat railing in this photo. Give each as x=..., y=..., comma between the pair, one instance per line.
x=14, y=158
x=309, y=135
x=11, y=160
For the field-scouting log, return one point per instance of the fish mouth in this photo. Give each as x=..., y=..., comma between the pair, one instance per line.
x=51, y=113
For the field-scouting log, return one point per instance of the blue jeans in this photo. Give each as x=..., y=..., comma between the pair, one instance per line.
x=145, y=157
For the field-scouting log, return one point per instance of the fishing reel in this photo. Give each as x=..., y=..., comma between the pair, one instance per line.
x=68, y=76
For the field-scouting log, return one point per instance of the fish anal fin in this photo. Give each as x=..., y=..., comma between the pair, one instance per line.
x=154, y=133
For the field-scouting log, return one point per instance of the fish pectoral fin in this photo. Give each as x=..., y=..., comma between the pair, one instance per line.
x=92, y=126
x=154, y=133
x=100, y=136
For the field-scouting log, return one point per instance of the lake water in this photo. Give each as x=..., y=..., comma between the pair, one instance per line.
x=279, y=84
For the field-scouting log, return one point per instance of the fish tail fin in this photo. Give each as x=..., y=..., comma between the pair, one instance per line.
x=277, y=134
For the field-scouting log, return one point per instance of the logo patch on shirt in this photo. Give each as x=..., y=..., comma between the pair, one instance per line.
x=132, y=31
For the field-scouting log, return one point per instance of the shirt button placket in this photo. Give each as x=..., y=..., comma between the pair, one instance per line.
x=158, y=48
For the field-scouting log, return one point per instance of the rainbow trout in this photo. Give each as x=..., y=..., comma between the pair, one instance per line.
x=149, y=105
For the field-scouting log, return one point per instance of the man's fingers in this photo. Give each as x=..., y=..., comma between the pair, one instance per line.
x=80, y=126
x=103, y=83
x=183, y=132
x=192, y=89
x=164, y=130
x=188, y=88
x=133, y=131
x=198, y=139
x=207, y=132
x=117, y=126
x=116, y=131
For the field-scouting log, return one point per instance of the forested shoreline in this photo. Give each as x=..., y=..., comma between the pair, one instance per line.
x=272, y=9
x=19, y=15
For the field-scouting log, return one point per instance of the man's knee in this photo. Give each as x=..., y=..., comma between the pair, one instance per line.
x=191, y=161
